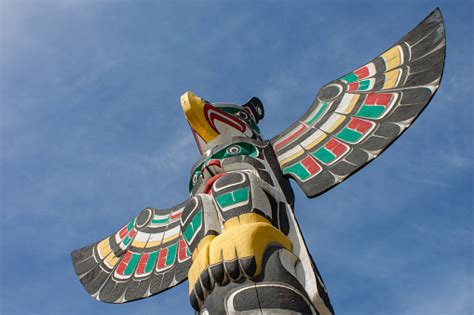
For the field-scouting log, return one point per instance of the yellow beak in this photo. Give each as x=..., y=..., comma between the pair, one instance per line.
x=193, y=107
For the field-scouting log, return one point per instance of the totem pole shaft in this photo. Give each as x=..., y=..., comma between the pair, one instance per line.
x=257, y=263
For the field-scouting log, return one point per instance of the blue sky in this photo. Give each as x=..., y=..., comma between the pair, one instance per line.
x=92, y=132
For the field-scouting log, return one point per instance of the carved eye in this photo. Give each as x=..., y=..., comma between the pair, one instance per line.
x=195, y=178
x=233, y=149
x=243, y=115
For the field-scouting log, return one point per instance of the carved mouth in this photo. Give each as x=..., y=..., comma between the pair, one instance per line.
x=210, y=172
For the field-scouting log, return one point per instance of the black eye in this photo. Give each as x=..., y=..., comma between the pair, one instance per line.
x=243, y=115
x=234, y=149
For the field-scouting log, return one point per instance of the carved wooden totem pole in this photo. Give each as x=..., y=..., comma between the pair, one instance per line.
x=236, y=238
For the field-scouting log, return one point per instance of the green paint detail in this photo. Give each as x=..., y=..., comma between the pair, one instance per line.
x=188, y=252
x=349, y=135
x=230, y=110
x=172, y=250
x=233, y=197
x=245, y=149
x=254, y=127
x=364, y=85
x=160, y=221
x=370, y=111
x=224, y=200
x=351, y=77
x=318, y=114
x=324, y=155
x=197, y=220
x=151, y=261
x=132, y=264
x=193, y=227
x=131, y=224
x=298, y=170
x=127, y=240
x=188, y=233
x=234, y=111
x=241, y=194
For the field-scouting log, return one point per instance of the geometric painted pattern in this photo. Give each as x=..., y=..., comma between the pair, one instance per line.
x=148, y=255
x=356, y=117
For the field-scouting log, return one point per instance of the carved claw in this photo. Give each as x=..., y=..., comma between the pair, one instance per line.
x=236, y=253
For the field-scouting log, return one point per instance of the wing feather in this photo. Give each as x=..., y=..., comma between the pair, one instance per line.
x=148, y=255
x=356, y=117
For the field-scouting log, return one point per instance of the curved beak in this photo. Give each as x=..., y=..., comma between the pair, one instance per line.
x=193, y=107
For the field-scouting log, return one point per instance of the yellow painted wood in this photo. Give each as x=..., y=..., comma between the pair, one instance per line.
x=333, y=122
x=200, y=260
x=347, y=103
x=246, y=236
x=171, y=238
x=392, y=78
x=139, y=244
x=297, y=153
x=246, y=241
x=111, y=260
x=104, y=248
x=393, y=58
x=193, y=108
x=153, y=244
x=315, y=142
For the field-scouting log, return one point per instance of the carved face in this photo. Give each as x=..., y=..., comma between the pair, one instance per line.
x=217, y=123
x=205, y=170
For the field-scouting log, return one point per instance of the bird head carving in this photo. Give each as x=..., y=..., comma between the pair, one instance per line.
x=217, y=123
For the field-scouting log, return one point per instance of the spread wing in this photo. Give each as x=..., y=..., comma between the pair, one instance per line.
x=148, y=255
x=356, y=117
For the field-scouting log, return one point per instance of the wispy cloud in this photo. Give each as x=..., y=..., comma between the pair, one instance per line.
x=91, y=132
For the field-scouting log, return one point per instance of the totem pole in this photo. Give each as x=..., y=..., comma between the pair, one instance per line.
x=236, y=239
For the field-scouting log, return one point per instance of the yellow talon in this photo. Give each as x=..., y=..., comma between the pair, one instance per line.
x=200, y=260
x=246, y=236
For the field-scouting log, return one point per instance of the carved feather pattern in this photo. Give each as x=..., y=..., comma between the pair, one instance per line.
x=356, y=117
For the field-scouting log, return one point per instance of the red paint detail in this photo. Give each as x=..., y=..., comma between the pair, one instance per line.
x=384, y=99
x=359, y=125
x=310, y=164
x=142, y=263
x=176, y=215
x=378, y=99
x=124, y=262
x=132, y=233
x=127, y=257
x=210, y=182
x=362, y=72
x=162, y=258
x=211, y=162
x=353, y=86
x=181, y=250
x=331, y=144
x=123, y=232
x=121, y=267
x=290, y=137
x=371, y=99
x=213, y=113
x=230, y=122
x=336, y=147
x=214, y=162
